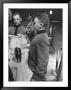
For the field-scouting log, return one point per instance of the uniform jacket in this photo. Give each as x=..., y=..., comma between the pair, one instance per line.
x=20, y=30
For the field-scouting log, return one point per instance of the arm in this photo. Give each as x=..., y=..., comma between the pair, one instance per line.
x=42, y=58
x=32, y=57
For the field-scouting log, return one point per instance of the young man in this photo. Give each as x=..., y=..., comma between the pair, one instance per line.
x=39, y=51
x=17, y=28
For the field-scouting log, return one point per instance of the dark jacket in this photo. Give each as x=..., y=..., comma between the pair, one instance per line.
x=39, y=54
x=20, y=30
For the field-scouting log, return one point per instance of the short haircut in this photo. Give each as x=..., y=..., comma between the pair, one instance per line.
x=16, y=13
x=45, y=19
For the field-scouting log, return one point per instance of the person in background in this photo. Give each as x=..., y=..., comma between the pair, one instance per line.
x=30, y=31
x=39, y=51
x=17, y=28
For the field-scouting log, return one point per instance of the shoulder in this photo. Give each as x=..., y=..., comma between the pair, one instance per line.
x=11, y=30
x=11, y=27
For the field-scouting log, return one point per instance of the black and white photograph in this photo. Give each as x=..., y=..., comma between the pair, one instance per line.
x=35, y=44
